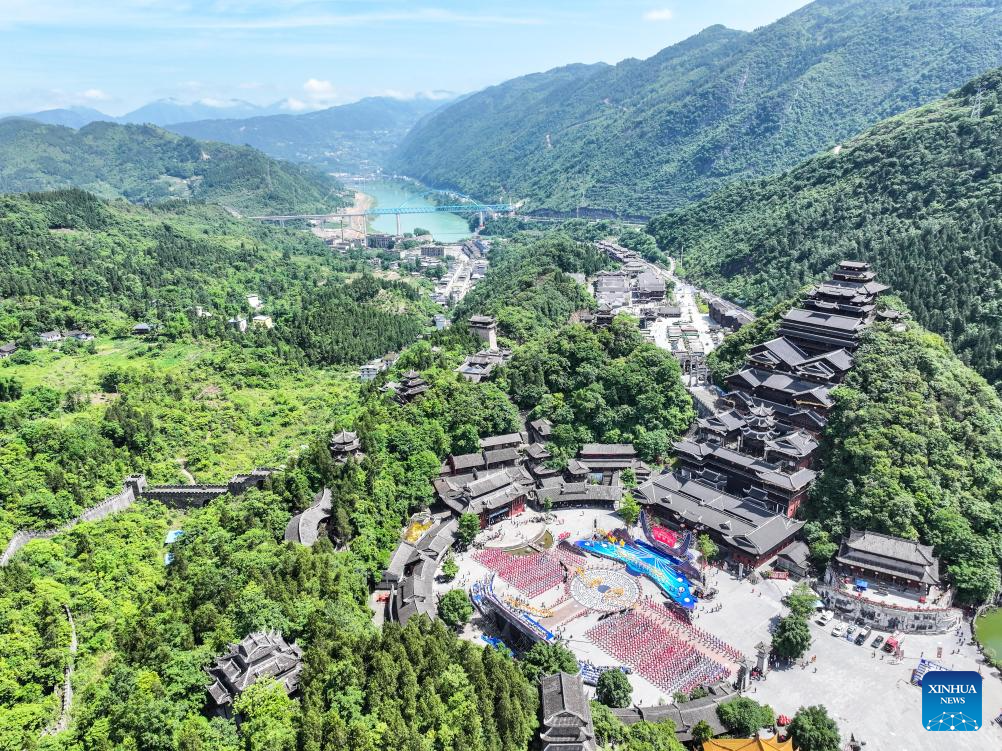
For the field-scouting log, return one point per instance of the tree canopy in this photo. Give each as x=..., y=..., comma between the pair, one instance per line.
x=614, y=689
x=744, y=717
x=147, y=164
x=916, y=195
x=813, y=729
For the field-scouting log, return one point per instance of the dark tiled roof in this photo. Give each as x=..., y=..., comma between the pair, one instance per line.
x=258, y=654
x=567, y=723
x=304, y=527
x=581, y=492
x=501, y=440
x=745, y=523
x=890, y=555
x=825, y=320
x=592, y=450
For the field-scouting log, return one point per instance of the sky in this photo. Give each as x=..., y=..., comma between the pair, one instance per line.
x=115, y=55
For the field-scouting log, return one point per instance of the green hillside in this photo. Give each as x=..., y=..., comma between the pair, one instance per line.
x=146, y=164
x=917, y=195
x=81, y=419
x=69, y=260
x=644, y=137
x=913, y=448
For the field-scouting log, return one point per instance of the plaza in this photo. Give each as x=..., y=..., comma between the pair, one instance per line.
x=740, y=616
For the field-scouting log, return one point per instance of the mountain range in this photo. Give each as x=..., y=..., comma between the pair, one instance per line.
x=647, y=136
x=145, y=164
x=160, y=112
x=356, y=137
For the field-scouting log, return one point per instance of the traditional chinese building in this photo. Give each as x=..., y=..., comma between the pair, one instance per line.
x=345, y=445
x=566, y=714
x=263, y=653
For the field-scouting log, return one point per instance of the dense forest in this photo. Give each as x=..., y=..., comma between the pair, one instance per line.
x=145, y=632
x=528, y=286
x=594, y=385
x=913, y=447
x=604, y=385
x=146, y=164
x=647, y=136
x=76, y=420
x=69, y=260
x=916, y=195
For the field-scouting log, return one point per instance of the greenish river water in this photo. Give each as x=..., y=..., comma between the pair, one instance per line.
x=989, y=630
x=390, y=194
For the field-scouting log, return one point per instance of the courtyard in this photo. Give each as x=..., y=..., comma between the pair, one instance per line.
x=581, y=611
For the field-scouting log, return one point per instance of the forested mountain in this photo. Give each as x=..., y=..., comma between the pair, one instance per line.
x=166, y=111
x=71, y=117
x=147, y=630
x=69, y=260
x=147, y=164
x=646, y=136
x=605, y=385
x=352, y=137
x=917, y=195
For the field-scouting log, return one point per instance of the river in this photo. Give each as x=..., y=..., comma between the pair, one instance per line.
x=389, y=194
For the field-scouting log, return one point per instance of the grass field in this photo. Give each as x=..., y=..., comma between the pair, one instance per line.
x=217, y=409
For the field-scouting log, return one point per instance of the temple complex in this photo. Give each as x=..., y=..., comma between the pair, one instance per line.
x=754, y=456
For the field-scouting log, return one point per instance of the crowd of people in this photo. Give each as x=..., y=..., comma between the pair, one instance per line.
x=652, y=645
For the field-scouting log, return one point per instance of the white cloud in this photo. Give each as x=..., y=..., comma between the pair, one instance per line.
x=294, y=105
x=317, y=89
x=95, y=95
x=658, y=14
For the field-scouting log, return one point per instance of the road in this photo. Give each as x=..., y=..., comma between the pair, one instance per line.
x=685, y=296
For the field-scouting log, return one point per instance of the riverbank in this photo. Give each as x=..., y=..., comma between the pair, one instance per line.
x=443, y=226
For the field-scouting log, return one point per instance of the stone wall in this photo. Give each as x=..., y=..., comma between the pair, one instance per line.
x=134, y=486
x=108, y=506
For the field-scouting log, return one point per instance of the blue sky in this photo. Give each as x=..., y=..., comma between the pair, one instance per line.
x=117, y=54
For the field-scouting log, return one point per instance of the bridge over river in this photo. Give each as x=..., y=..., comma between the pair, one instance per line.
x=483, y=209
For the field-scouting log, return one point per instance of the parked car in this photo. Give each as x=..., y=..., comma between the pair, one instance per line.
x=877, y=642
x=839, y=629
x=850, y=632
x=824, y=617
x=862, y=636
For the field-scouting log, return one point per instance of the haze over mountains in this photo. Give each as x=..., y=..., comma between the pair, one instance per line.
x=159, y=112
x=356, y=137
x=646, y=136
